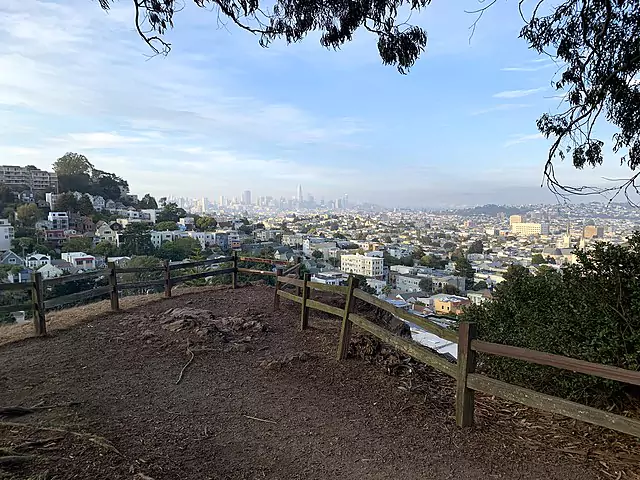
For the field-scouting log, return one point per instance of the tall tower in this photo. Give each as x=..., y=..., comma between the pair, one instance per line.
x=345, y=201
x=300, y=197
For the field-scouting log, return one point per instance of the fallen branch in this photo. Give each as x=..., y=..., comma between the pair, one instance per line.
x=190, y=352
x=38, y=443
x=101, y=441
x=15, y=411
x=16, y=459
x=259, y=419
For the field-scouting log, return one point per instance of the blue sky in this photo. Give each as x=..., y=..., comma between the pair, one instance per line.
x=220, y=114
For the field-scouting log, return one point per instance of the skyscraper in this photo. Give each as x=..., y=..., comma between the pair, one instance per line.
x=345, y=201
x=300, y=197
x=246, y=197
x=223, y=201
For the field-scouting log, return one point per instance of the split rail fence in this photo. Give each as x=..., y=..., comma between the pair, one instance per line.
x=464, y=371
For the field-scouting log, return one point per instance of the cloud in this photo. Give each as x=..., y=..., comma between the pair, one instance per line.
x=528, y=68
x=518, y=93
x=503, y=107
x=517, y=139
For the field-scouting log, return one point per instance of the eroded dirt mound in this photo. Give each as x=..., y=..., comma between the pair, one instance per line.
x=204, y=323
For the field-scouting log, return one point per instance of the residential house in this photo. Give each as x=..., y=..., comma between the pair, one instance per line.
x=479, y=297
x=108, y=232
x=158, y=238
x=450, y=304
x=206, y=239
x=408, y=283
x=284, y=253
x=110, y=205
x=150, y=214
x=23, y=276
x=186, y=223
x=98, y=202
x=81, y=223
x=7, y=234
x=311, y=244
x=37, y=260
x=10, y=258
x=55, y=237
x=376, y=284
x=440, y=281
x=63, y=265
x=267, y=235
x=80, y=260
x=50, y=271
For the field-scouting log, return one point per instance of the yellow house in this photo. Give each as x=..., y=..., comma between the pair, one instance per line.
x=450, y=305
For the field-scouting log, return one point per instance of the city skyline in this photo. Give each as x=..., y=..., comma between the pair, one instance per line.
x=203, y=118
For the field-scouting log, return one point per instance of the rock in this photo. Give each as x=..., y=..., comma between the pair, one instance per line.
x=242, y=347
x=147, y=334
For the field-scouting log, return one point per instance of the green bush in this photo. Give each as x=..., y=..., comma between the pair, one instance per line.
x=589, y=310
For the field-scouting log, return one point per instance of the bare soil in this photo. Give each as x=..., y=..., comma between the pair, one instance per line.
x=215, y=385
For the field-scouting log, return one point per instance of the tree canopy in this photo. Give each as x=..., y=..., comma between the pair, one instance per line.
x=72, y=164
x=399, y=43
x=593, y=42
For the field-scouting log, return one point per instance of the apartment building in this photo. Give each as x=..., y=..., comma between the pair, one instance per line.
x=59, y=220
x=515, y=219
x=6, y=234
x=29, y=177
x=362, y=265
x=530, y=228
x=591, y=231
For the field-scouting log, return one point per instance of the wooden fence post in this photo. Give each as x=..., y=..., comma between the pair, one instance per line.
x=37, y=299
x=113, y=283
x=304, y=314
x=466, y=365
x=167, y=280
x=298, y=263
x=234, y=275
x=276, y=298
x=345, y=330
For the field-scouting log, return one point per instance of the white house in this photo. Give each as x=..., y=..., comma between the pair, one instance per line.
x=37, y=260
x=150, y=214
x=6, y=234
x=158, y=238
x=98, y=202
x=50, y=271
x=80, y=260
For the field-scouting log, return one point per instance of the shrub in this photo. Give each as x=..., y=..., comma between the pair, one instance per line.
x=589, y=311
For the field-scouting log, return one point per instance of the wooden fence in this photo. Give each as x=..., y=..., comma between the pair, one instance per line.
x=167, y=277
x=468, y=381
x=464, y=371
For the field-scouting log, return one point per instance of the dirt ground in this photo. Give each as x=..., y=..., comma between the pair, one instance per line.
x=260, y=399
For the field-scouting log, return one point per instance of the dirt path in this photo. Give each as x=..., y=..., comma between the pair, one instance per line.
x=313, y=418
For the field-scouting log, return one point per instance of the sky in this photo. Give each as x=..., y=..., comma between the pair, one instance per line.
x=220, y=114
